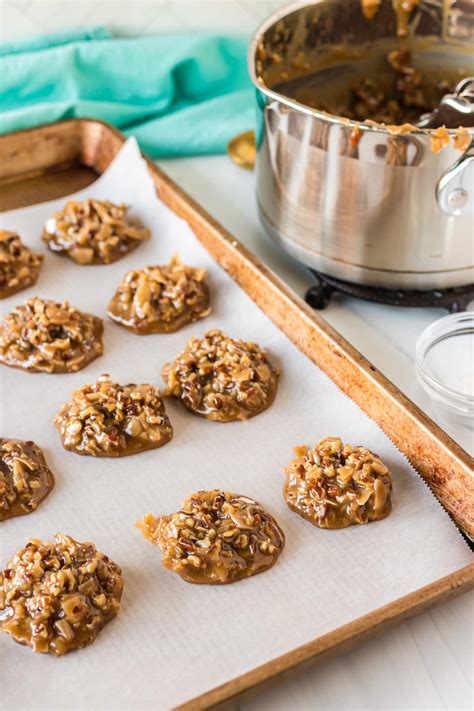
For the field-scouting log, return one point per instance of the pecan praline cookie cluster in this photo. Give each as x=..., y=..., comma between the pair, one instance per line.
x=160, y=299
x=221, y=378
x=93, y=232
x=217, y=537
x=335, y=485
x=57, y=596
x=25, y=479
x=50, y=337
x=19, y=266
x=106, y=419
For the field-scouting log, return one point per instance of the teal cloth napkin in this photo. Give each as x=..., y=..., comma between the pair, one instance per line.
x=180, y=94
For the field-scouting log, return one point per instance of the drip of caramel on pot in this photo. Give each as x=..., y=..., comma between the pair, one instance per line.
x=402, y=9
x=370, y=8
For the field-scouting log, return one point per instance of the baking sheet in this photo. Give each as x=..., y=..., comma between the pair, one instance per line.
x=173, y=641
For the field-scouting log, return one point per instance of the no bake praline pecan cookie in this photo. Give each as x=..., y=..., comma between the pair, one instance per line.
x=49, y=337
x=111, y=420
x=93, y=232
x=25, y=479
x=19, y=266
x=222, y=378
x=335, y=485
x=160, y=299
x=217, y=537
x=56, y=597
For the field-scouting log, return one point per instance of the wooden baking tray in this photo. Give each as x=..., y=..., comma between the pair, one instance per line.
x=51, y=161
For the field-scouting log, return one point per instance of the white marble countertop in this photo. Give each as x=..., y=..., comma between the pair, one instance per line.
x=423, y=663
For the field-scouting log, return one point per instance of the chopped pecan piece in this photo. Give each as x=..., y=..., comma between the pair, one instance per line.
x=335, y=485
x=93, y=232
x=217, y=537
x=160, y=299
x=222, y=378
x=49, y=337
x=56, y=597
x=19, y=266
x=25, y=479
x=110, y=420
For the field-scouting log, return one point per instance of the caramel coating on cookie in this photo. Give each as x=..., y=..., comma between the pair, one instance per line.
x=160, y=299
x=25, y=479
x=19, y=266
x=222, y=378
x=93, y=232
x=335, y=485
x=217, y=537
x=50, y=337
x=106, y=419
x=56, y=597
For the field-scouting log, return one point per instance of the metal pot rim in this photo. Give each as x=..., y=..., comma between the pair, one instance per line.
x=280, y=14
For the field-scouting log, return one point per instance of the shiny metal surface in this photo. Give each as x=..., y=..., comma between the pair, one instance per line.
x=455, y=109
x=367, y=206
x=455, y=188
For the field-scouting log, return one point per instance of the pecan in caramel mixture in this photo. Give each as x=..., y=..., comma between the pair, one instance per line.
x=334, y=485
x=160, y=299
x=222, y=378
x=93, y=232
x=25, y=479
x=110, y=420
x=19, y=266
x=56, y=597
x=217, y=537
x=407, y=99
x=50, y=337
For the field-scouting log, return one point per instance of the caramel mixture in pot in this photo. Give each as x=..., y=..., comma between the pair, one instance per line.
x=396, y=83
x=399, y=96
x=408, y=97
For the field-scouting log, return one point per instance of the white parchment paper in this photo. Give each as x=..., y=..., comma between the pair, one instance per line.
x=172, y=640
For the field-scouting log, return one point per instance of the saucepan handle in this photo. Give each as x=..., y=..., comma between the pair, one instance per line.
x=455, y=188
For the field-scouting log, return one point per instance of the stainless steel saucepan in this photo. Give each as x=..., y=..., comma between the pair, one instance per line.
x=360, y=202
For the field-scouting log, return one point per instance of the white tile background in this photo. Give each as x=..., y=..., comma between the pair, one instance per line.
x=21, y=18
